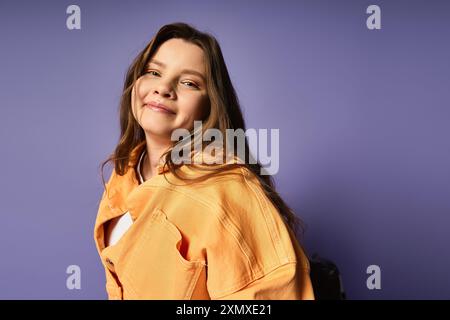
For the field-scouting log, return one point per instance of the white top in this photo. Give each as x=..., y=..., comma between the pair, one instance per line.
x=118, y=226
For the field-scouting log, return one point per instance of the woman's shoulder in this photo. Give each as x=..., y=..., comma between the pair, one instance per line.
x=244, y=213
x=229, y=186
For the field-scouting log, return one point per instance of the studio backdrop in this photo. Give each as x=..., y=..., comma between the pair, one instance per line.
x=359, y=92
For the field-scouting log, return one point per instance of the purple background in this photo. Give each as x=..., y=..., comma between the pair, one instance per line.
x=363, y=118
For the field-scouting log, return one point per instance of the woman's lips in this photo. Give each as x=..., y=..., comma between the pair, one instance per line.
x=158, y=108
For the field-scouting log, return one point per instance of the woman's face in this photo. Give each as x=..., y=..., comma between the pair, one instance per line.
x=175, y=77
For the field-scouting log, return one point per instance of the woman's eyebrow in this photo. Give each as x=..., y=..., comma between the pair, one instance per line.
x=189, y=71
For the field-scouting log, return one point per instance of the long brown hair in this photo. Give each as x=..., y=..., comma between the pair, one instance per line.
x=224, y=112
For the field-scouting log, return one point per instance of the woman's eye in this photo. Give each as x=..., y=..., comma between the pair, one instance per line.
x=188, y=83
x=152, y=72
x=191, y=84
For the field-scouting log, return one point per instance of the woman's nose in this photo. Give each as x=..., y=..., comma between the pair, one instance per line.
x=164, y=90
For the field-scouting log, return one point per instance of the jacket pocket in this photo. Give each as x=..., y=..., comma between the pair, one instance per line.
x=156, y=269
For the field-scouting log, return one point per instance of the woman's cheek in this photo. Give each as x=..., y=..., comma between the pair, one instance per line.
x=136, y=94
x=142, y=88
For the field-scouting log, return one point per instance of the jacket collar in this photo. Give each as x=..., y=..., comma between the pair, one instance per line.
x=120, y=187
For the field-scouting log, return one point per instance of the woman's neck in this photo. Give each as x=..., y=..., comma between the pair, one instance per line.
x=155, y=149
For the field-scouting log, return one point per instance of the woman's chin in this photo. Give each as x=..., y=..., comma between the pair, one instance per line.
x=158, y=131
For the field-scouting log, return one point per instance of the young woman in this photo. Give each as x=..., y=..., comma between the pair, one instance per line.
x=199, y=230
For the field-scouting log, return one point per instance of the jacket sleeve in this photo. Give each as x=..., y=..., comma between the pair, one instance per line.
x=287, y=282
x=252, y=253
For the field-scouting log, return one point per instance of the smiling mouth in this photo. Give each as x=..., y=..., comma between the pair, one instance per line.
x=158, y=108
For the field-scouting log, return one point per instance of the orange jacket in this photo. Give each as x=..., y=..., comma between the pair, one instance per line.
x=216, y=239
